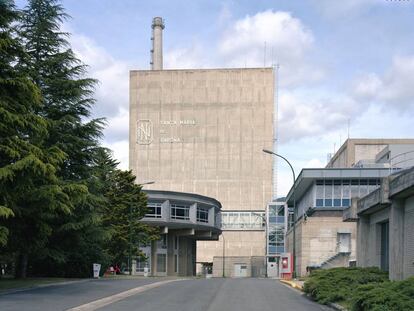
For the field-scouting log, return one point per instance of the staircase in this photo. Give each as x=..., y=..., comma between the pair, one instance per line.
x=337, y=260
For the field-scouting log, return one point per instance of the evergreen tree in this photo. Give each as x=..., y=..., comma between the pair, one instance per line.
x=66, y=104
x=127, y=205
x=29, y=188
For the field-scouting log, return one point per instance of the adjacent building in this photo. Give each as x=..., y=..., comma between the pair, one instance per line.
x=183, y=219
x=326, y=200
x=201, y=131
x=366, y=152
x=323, y=240
x=385, y=218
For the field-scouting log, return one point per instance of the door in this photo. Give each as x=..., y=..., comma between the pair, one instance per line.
x=344, y=242
x=273, y=267
x=240, y=270
x=385, y=244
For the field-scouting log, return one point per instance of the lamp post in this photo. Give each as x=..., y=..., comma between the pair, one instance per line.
x=130, y=231
x=224, y=247
x=294, y=207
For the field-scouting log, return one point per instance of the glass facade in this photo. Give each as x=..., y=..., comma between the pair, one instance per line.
x=238, y=220
x=338, y=193
x=276, y=220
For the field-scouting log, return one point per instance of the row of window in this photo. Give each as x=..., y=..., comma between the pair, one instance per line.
x=180, y=212
x=338, y=193
x=242, y=220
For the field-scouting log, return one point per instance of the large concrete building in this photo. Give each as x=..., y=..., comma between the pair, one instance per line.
x=202, y=131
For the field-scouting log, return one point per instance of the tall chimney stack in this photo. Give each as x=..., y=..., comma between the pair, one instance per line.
x=156, y=52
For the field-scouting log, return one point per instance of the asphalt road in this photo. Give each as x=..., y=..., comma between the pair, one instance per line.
x=62, y=297
x=195, y=295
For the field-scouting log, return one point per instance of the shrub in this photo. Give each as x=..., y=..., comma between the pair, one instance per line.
x=386, y=296
x=339, y=284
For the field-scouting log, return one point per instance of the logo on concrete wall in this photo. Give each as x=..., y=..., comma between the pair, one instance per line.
x=144, y=132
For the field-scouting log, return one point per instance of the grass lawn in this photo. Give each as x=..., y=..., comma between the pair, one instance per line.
x=10, y=283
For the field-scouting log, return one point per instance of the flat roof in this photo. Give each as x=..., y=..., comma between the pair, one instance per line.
x=308, y=175
x=201, y=69
x=181, y=196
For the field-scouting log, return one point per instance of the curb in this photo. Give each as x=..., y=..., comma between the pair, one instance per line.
x=292, y=284
x=23, y=289
x=335, y=306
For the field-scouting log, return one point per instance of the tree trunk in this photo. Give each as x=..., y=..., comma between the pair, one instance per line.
x=21, y=271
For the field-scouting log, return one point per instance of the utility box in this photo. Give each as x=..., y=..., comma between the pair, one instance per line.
x=286, y=265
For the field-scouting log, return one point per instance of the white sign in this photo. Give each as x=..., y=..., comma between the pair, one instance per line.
x=96, y=270
x=144, y=132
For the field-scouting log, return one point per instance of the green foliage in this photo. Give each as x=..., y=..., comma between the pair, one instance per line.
x=127, y=204
x=386, y=296
x=27, y=168
x=339, y=284
x=63, y=203
x=66, y=101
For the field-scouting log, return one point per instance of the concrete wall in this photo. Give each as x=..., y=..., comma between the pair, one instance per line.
x=203, y=131
x=237, y=243
x=393, y=203
x=255, y=265
x=317, y=241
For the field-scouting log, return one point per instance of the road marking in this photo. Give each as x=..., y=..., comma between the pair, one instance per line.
x=94, y=305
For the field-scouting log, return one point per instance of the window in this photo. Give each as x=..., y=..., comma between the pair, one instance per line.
x=242, y=220
x=162, y=242
x=354, y=188
x=202, y=215
x=176, y=242
x=363, y=187
x=161, y=262
x=154, y=210
x=175, y=263
x=180, y=212
x=328, y=192
x=276, y=214
x=319, y=193
x=337, y=193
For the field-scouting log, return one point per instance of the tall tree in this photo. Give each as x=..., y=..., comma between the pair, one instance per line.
x=127, y=205
x=29, y=187
x=66, y=104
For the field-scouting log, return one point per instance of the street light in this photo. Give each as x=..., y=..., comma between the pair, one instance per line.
x=294, y=207
x=224, y=247
x=130, y=231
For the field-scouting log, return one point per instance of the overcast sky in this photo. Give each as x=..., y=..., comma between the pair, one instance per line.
x=339, y=61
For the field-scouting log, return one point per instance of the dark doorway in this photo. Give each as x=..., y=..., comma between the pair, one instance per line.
x=385, y=246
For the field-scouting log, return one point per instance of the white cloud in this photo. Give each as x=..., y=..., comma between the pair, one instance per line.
x=241, y=44
x=120, y=151
x=111, y=93
x=303, y=115
x=288, y=41
x=395, y=88
x=112, y=90
x=185, y=58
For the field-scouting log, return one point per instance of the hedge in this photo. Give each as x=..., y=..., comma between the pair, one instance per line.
x=360, y=289
x=339, y=284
